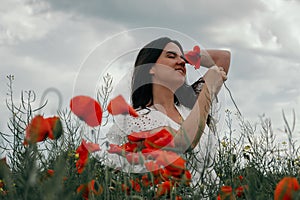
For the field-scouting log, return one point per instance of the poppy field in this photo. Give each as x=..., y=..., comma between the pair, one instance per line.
x=64, y=156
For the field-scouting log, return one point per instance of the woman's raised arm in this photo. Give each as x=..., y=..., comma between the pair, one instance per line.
x=212, y=57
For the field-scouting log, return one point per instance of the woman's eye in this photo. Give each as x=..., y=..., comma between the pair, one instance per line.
x=171, y=56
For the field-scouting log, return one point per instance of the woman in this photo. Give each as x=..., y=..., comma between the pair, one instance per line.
x=163, y=100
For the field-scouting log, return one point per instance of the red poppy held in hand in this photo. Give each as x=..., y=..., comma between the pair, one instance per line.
x=118, y=106
x=193, y=57
x=87, y=109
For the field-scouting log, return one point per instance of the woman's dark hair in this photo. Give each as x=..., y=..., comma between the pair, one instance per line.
x=141, y=86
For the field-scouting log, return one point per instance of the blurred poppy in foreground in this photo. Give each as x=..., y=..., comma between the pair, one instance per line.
x=87, y=109
x=118, y=106
x=56, y=127
x=40, y=128
x=286, y=188
x=37, y=130
x=193, y=57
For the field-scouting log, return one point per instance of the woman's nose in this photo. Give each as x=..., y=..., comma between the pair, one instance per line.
x=181, y=61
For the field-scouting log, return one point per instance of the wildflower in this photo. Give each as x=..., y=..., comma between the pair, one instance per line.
x=123, y=149
x=56, y=127
x=226, y=193
x=89, y=188
x=240, y=177
x=164, y=188
x=134, y=186
x=286, y=188
x=247, y=148
x=224, y=144
x=171, y=160
x=193, y=57
x=240, y=191
x=161, y=139
x=87, y=109
x=138, y=136
x=37, y=130
x=50, y=172
x=118, y=106
x=134, y=158
x=153, y=167
x=83, y=152
x=187, y=177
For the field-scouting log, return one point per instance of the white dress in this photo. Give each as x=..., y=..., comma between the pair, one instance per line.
x=200, y=161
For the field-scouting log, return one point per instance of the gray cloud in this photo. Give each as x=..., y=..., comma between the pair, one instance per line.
x=48, y=47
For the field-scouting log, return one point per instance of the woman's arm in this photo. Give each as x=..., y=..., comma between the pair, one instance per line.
x=191, y=130
x=212, y=57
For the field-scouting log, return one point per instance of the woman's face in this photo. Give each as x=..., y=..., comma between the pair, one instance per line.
x=169, y=69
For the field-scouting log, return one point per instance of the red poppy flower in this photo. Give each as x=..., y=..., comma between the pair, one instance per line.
x=87, y=189
x=116, y=149
x=37, y=130
x=118, y=106
x=286, y=188
x=83, y=151
x=226, y=192
x=87, y=109
x=241, y=190
x=90, y=146
x=139, y=136
x=193, y=57
x=187, y=177
x=146, y=181
x=161, y=139
x=135, y=186
x=56, y=127
x=153, y=167
x=50, y=172
x=171, y=175
x=151, y=153
x=164, y=188
x=135, y=158
x=171, y=160
x=123, y=149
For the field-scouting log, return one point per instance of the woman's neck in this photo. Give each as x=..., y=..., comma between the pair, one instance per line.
x=163, y=96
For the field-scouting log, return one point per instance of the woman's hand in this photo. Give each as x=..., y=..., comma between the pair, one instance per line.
x=214, y=79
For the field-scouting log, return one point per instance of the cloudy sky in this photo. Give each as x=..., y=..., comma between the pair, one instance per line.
x=68, y=45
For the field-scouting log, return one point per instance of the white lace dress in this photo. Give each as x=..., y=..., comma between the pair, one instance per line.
x=200, y=161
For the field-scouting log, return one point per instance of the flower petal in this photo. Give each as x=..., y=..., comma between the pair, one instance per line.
x=90, y=146
x=285, y=188
x=161, y=139
x=138, y=136
x=87, y=109
x=118, y=106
